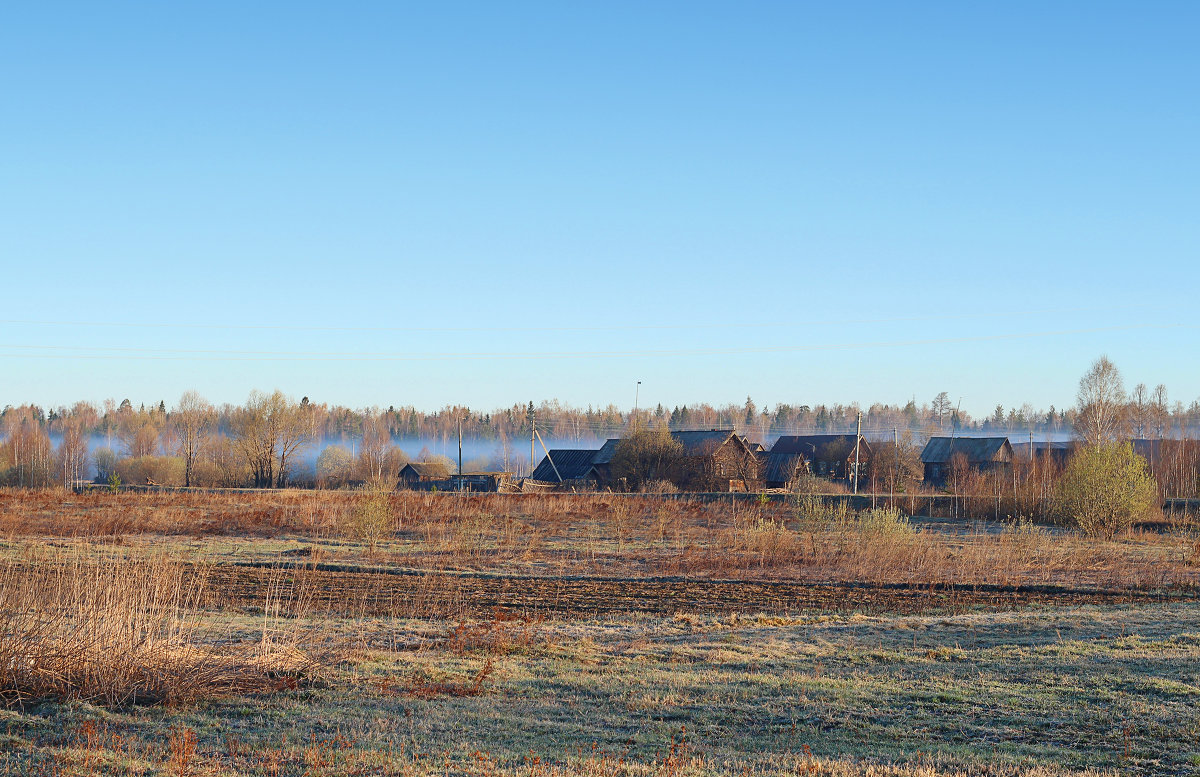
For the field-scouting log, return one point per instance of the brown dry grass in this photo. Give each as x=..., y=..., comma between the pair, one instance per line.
x=625, y=536
x=77, y=625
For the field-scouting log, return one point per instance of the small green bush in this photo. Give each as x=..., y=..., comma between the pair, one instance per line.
x=1105, y=489
x=372, y=518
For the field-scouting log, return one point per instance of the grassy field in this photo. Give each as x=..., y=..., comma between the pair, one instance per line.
x=1004, y=681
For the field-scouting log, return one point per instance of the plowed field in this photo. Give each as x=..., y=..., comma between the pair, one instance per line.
x=392, y=592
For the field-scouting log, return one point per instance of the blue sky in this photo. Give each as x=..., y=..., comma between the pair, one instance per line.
x=384, y=203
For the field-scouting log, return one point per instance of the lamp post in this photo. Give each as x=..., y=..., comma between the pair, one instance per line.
x=637, y=390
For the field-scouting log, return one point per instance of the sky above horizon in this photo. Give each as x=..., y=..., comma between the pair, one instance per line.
x=377, y=204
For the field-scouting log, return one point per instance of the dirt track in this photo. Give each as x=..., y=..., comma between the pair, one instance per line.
x=348, y=591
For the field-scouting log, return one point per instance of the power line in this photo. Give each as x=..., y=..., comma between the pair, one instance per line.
x=603, y=328
x=167, y=354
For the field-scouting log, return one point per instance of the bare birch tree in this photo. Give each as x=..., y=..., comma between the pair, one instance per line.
x=192, y=419
x=1101, y=401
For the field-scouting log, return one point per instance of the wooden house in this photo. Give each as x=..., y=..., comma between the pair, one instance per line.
x=416, y=473
x=828, y=455
x=981, y=454
x=716, y=460
x=602, y=462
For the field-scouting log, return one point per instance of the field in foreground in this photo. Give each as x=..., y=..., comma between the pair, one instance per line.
x=1054, y=690
x=445, y=655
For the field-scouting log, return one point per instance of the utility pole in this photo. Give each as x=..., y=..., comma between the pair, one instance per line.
x=896, y=453
x=460, y=480
x=857, y=437
x=532, y=436
x=636, y=391
x=1031, y=445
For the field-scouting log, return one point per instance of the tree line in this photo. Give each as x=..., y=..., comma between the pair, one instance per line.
x=261, y=443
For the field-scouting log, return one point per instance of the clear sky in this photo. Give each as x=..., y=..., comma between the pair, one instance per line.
x=486, y=203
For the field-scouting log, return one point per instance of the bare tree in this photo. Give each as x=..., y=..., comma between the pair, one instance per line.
x=268, y=431
x=1139, y=410
x=1160, y=413
x=373, y=453
x=1101, y=401
x=192, y=420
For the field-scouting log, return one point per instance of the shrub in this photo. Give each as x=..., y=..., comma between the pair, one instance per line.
x=372, y=518
x=883, y=521
x=1105, y=489
x=157, y=470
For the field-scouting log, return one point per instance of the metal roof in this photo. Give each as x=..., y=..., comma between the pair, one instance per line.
x=605, y=454
x=781, y=467
x=572, y=464
x=426, y=469
x=977, y=449
x=812, y=446
x=703, y=443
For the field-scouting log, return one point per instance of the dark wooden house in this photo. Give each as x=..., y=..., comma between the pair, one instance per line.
x=981, y=454
x=602, y=462
x=716, y=460
x=828, y=455
x=416, y=473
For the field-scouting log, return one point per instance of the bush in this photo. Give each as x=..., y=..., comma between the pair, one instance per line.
x=1105, y=489
x=372, y=518
x=883, y=521
x=155, y=470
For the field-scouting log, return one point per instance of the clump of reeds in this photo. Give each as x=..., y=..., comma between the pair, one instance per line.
x=77, y=625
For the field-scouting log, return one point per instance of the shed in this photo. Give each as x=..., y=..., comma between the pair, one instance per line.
x=781, y=470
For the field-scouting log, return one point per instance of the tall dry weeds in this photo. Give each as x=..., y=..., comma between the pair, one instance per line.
x=97, y=627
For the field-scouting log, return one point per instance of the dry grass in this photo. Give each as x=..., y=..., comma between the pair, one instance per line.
x=622, y=536
x=94, y=627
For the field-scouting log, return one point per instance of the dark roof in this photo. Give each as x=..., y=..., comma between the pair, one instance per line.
x=1041, y=446
x=572, y=464
x=425, y=469
x=780, y=467
x=605, y=454
x=703, y=443
x=811, y=446
x=977, y=449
